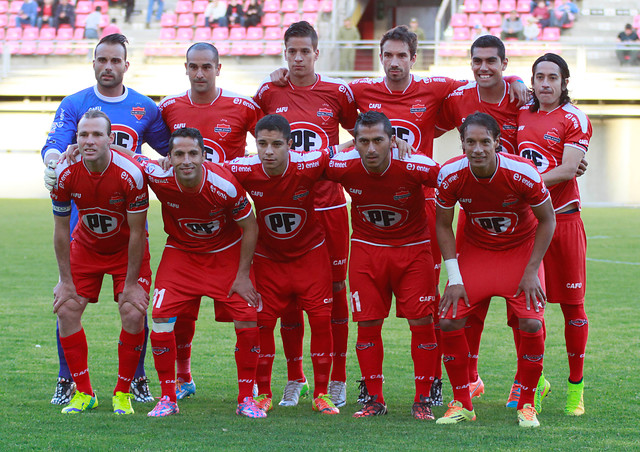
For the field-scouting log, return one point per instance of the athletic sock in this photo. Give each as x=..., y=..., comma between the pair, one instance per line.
x=76, y=352
x=437, y=365
x=455, y=354
x=370, y=352
x=321, y=346
x=185, y=330
x=473, y=331
x=292, y=332
x=530, y=359
x=576, y=332
x=163, y=346
x=340, y=333
x=129, y=348
x=63, y=371
x=143, y=353
x=247, y=351
x=424, y=353
x=266, y=356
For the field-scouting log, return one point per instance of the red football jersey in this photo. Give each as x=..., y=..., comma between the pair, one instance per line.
x=314, y=112
x=284, y=204
x=387, y=209
x=498, y=212
x=223, y=123
x=466, y=100
x=412, y=112
x=542, y=137
x=103, y=200
x=199, y=220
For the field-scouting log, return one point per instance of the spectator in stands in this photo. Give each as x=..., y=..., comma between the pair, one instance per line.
x=45, y=13
x=564, y=14
x=65, y=14
x=253, y=13
x=235, y=14
x=129, y=6
x=542, y=13
x=477, y=31
x=348, y=32
x=532, y=29
x=627, y=38
x=414, y=26
x=92, y=24
x=534, y=3
x=512, y=26
x=159, y=10
x=28, y=14
x=215, y=14
x=111, y=29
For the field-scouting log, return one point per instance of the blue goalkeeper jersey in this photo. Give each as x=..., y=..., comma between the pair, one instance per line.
x=135, y=119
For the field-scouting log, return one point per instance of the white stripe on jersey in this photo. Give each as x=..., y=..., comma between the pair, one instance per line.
x=129, y=167
x=344, y=156
x=222, y=184
x=519, y=167
x=227, y=93
x=174, y=96
x=582, y=118
x=246, y=161
x=415, y=158
x=451, y=168
x=304, y=157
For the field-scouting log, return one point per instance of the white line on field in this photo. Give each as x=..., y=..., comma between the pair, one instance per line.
x=612, y=262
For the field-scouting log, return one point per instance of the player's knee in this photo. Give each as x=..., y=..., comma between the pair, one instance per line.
x=451, y=324
x=165, y=325
x=338, y=286
x=530, y=325
x=67, y=312
x=130, y=314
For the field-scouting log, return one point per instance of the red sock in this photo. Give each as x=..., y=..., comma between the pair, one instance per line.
x=184, y=329
x=473, y=331
x=163, y=346
x=76, y=352
x=340, y=333
x=129, y=348
x=247, y=351
x=437, y=368
x=266, y=356
x=576, y=332
x=424, y=352
x=292, y=332
x=530, y=357
x=455, y=354
x=370, y=352
x=321, y=346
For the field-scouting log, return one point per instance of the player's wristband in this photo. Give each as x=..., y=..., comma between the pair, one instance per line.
x=455, y=278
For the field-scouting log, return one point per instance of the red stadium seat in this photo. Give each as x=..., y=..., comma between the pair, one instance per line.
x=271, y=6
x=200, y=22
x=47, y=34
x=636, y=21
x=4, y=21
x=289, y=6
x=202, y=34
x=238, y=48
x=1, y=35
x=151, y=49
x=104, y=21
x=184, y=34
x=220, y=34
x=461, y=34
x=327, y=6
x=310, y=6
x=273, y=48
x=312, y=18
x=223, y=48
x=81, y=19
x=506, y=6
x=83, y=7
x=168, y=19
x=78, y=34
x=476, y=19
x=63, y=48
x=103, y=4
x=27, y=48
x=550, y=34
x=30, y=34
x=64, y=34
x=186, y=20
x=496, y=31
x=492, y=20
x=271, y=20
x=167, y=34
x=14, y=6
x=273, y=33
x=447, y=49
x=471, y=6
x=255, y=33
x=44, y=48
x=254, y=49
x=4, y=6
x=459, y=20
x=199, y=6
x=489, y=6
x=183, y=6
x=237, y=34
x=523, y=6
x=13, y=34
x=290, y=18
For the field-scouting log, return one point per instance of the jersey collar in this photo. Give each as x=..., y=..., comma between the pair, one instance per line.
x=104, y=98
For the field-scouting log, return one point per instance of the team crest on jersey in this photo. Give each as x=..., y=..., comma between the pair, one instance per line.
x=551, y=137
x=201, y=228
x=510, y=200
x=101, y=223
x=402, y=195
x=116, y=199
x=300, y=194
x=138, y=112
x=283, y=222
x=495, y=223
x=418, y=109
x=325, y=114
x=382, y=216
x=223, y=129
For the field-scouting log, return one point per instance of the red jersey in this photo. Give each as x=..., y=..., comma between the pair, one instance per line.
x=103, y=201
x=412, y=112
x=199, y=220
x=223, y=123
x=542, y=137
x=284, y=204
x=387, y=209
x=498, y=212
x=314, y=112
x=466, y=100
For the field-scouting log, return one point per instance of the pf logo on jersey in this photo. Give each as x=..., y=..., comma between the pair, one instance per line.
x=495, y=223
x=101, y=223
x=543, y=160
x=407, y=131
x=125, y=136
x=382, y=216
x=200, y=228
x=308, y=137
x=283, y=222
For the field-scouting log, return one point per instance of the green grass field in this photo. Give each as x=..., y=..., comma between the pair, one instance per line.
x=208, y=421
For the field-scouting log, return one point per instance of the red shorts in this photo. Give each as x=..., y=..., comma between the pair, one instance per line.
x=489, y=273
x=88, y=269
x=378, y=272
x=183, y=278
x=565, y=262
x=303, y=283
x=336, y=228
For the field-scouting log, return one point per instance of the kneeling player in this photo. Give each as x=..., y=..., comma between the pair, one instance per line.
x=500, y=255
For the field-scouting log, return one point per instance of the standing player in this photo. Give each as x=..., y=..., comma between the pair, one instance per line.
x=555, y=135
x=110, y=238
x=135, y=120
x=211, y=231
x=389, y=252
x=223, y=118
x=291, y=242
x=315, y=106
x=503, y=196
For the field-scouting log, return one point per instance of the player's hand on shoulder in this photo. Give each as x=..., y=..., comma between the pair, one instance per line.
x=450, y=298
x=534, y=294
x=280, y=77
x=71, y=154
x=519, y=92
x=244, y=287
x=405, y=150
x=136, y=296
x=164, y=163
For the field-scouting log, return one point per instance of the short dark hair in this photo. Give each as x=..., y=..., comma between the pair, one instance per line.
x=204, y=46
x=113, y=39
x=487, y=42
x=99, y=8
x=96, y=114
x=564, y=74
x=187, y=132
x=275, y=123
x=401, y=33
x=371, y=118
x=302, y=29
x=483, y=120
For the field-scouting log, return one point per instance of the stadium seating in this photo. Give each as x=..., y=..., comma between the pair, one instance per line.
x=202, y=34
x=476, y=19
x=30, y=34
x=550, y=34
x=493, y=20
x=13, y=34
x=489, y=6
x=167, y=34
x=237, y=34
x=83, y=7
x=27, y=48
x=271, y=6
x=4, y=21
x=636, y=22
x=14, y=6
x=523, y=6
x=471, y=6
x=183, y=6
x=310, y=6
x=459, y=20
x=327, y=6
x=506, y=6
x=290, y=18
x=199, y=6
x=461, y=34
x=168, y=19
x=64, y=34
x=271, y=20
x=289, y=6
x=45, y=48
x=184, y=34
x=312, y=18
x=273, y=48
x=186, y=20
x=220, y=34
x=223, y=48
x=78, y=34
x=255, y=33
x=4, y=6
x=273, y=33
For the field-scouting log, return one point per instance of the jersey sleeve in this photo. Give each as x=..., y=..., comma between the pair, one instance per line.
x=348, y=110
x=60, y=199
x=578, y=132
x=445, y=193
x=157, y=134
x=241, y=205
x=63, y=129
x=137, y=190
